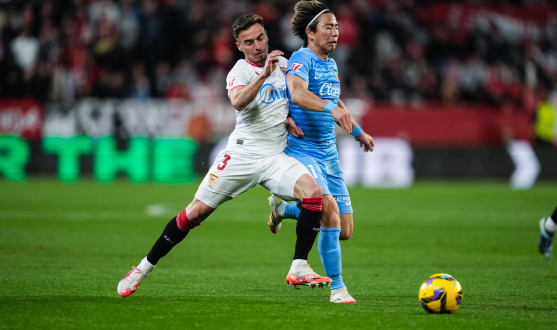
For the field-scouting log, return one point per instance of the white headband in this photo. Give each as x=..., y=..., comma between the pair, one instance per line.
x=316, y=17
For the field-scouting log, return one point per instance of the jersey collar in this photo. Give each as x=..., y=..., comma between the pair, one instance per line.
x=312, y=54
x=253, y=64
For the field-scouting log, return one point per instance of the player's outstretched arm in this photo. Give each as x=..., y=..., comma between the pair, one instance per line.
x=366, y=141
x=242, y=96
x=302, y=97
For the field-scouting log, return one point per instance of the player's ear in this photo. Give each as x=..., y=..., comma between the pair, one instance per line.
x=309, y=33
x=238, y=45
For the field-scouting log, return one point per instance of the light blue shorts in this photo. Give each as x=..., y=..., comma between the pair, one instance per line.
x=329, y=176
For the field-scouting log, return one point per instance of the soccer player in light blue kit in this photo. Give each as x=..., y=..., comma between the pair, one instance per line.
x=315, y=105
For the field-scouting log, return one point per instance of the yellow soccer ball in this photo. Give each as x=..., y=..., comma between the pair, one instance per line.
x=440, y=294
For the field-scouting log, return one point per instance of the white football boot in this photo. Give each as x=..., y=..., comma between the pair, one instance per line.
x=341, y=296
x=276, y=217
x=129, y=283
x=301, y=274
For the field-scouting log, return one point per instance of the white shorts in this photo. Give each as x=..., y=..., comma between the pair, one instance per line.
x=234, y=173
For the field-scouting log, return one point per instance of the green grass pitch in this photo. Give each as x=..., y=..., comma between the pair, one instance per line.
x=64, y=247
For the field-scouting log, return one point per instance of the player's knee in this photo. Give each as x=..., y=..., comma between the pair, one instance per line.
x=196, y=215
x=330, y=220
x=315, y=190
x=186, y=220
x=192, y=215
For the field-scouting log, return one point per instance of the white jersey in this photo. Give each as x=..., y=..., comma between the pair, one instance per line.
x=260, y=129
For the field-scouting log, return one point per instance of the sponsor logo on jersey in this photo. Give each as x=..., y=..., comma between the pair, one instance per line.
x=296, y=66
x=212, y=179
x=269, y=94
x=240, y=142
x=283, y=69
x=329, y=90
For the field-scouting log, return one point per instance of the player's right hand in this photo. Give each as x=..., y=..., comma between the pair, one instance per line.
x=271, y=63
x=343, y=118
x=293, y=128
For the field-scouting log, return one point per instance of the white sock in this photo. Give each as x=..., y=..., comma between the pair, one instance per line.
x=281, y=208
x=550, y=225
x=296, y=263
x=145, y=264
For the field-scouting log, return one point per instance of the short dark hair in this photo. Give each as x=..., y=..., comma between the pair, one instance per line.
x=304, y=12
x=244, y=22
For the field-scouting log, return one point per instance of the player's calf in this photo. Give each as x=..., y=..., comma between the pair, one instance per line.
x=346, y=226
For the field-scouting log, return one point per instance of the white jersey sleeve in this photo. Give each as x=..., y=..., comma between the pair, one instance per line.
x=237, y=78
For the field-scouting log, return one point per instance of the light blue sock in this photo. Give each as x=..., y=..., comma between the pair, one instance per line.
x=329, y=250
x=291, y=212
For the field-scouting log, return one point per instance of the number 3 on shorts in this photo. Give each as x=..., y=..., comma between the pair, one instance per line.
x=224, y=163
x=310, y=166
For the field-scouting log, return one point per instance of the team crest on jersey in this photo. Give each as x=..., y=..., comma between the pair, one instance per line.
x=283, y=69
x=296, y=66
x=212, y=179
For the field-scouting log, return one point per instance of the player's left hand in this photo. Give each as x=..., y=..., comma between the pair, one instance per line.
x=292, y=128
x=366, y=141
x=271, y=63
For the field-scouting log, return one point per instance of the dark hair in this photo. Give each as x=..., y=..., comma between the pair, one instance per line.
x=244, y=22
x=304, y=12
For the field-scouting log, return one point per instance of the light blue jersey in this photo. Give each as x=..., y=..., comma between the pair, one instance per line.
x=319, y=139
x=317, y=149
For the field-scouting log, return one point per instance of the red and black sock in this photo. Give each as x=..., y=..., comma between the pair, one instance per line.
x=307, y=226
x=174, y=232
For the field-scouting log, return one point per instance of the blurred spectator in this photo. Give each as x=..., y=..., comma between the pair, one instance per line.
x=164, y=79
x=129, y=25
x=140, y=88
x=25, y=46
x=473, y=78
x=104, y=9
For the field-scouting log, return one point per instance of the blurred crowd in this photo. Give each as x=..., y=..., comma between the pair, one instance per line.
x=389, y=51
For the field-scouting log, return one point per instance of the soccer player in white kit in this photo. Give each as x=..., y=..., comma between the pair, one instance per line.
x=254, y=156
